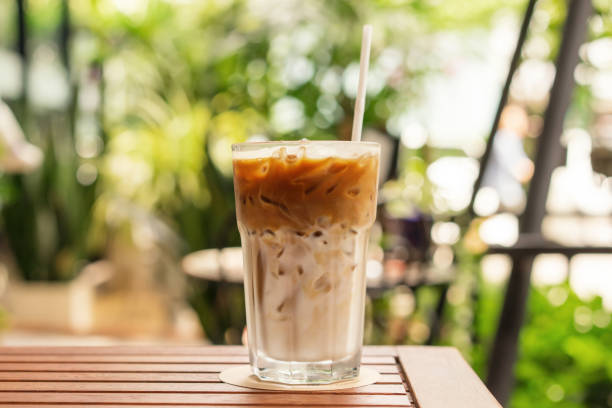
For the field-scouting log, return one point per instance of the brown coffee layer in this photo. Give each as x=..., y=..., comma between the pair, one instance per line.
x=305, y=193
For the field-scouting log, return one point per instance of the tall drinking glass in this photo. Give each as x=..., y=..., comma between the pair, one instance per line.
x=304, y=210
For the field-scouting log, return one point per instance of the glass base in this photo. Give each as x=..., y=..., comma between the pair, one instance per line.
x=311, y=372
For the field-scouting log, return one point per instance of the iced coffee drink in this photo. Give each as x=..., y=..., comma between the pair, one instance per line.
x=304, y=210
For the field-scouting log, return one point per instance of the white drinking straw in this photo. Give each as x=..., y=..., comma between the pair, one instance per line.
x=364, y=63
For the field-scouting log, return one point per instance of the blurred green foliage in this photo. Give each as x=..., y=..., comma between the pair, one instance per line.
x=159, y=90
x=565, y=352
x=564, y=356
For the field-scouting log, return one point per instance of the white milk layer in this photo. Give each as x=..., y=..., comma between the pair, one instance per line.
x=306, y=302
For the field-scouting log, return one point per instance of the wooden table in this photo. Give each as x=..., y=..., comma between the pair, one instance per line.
x=425, y=377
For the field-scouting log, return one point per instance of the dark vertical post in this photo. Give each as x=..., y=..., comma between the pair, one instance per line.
x=64, y=49
x=393, y=172
x=500, y=379
x=516, y=57
x=64, y=34
x=550, y=152
x=22, y=47
x=437, y=316
x=549, y=156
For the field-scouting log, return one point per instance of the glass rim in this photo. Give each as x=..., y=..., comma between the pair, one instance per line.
x=270, y=143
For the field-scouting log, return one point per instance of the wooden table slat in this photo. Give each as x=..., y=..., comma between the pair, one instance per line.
x=440, y=377
x=160, y=405
x=144, y=367
x=173, y=387
x=159, y=350
x=270, y=399
x=135, y=377
x=108, y=376
x=184, y=359
x=125, y=350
